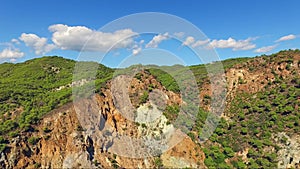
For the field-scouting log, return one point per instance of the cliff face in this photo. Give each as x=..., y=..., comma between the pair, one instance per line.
x=72, y=136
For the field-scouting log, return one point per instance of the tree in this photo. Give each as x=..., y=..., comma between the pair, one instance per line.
x=228, y=151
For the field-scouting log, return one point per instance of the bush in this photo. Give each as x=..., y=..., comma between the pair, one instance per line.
x=46, y=130
x=144, y=125
x=244, y=131
x=192, y=136
x=37, y=165
x=79, y=128
x=238, y=164
x=2, y=140
x=209, y=162
x=2, y=147
x=13, y=134
x=158, y=162
x=144, y=97
x=228, y=151
x=33, y=140
x=171, y=112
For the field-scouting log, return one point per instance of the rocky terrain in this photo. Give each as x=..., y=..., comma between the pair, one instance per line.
x=112, y=128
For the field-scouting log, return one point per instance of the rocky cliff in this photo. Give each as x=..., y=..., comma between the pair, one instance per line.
x=129, y=122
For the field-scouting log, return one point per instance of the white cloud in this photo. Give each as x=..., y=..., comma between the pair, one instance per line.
x=157, y=40
x=137, y=48
x=191, y=41
x=13, y=60
x=188, y=41
x=265, y=49
x=11, y=54
x=141, y=42
x=136, y=51
x=15, y=41
x=200, y=43
x=39, y=44
x=245, y=44
x=285, y=38
x=179, y=34
x=82, y=38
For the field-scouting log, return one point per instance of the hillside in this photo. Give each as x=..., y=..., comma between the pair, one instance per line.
x=42, y=128
x=31, y=89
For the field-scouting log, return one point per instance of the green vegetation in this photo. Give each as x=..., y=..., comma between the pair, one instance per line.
x=171, y=112
x=144, y=97
x=254, y=119
x=165, y=79
x=33, y=140
x=2, y=147
x=29, y=90
x=158, y=162
x=37, y=165
x=46, y=130
x=165, y=75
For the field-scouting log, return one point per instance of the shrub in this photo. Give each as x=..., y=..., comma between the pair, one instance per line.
x=192, y=136
x=33, y=140
x=2, y=147
x=37, y=165
x=79, y=128
x=144, y=97
x=244, y=131
x=13, y=134
x=158, y=162
x=209, y=162
x=238, y=164
x=46, y=130
x=2, y=140
x=228, y=151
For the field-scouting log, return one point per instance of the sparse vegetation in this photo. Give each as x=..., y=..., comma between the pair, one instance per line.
x=144, y=97
x=158, y=162
x=33, y=140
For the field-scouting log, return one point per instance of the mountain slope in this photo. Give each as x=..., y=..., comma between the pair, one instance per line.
x=258, y=129
x=31, y=89
x=263, y=105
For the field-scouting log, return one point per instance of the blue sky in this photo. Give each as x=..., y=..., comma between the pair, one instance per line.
x=30, y=29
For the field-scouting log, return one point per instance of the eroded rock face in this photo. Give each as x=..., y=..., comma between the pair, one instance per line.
x=289, y=154
x=184, y=155
x=83, y=134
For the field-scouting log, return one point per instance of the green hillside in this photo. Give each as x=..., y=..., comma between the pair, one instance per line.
x=252, y=118
x=31, y=89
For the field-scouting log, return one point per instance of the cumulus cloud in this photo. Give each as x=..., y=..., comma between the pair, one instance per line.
x=188, y=41
x=11, y=54
x=157, y=40
x=200, y=43
x=285, y=38
x=38, y=44
x=82, y=38
x=137, y=48
x=136, y=51
x=265, y=49
x=245, y=44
